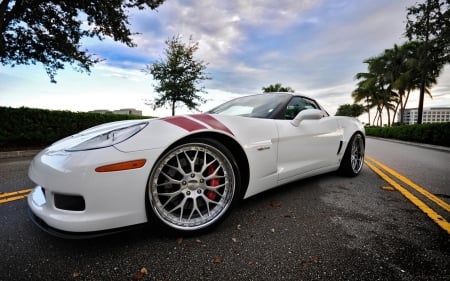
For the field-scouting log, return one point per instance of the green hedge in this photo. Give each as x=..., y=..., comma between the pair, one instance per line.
x=434, y=133
x=29, y=127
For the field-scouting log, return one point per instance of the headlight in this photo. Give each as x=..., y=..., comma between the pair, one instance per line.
x=109, y=138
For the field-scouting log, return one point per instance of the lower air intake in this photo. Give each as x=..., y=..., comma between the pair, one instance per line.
x=69, y=202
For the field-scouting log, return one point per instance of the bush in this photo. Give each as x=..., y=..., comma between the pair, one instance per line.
x=433, y=133
x=28, y=127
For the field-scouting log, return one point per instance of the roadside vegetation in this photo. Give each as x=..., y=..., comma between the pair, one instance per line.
x=29, y=128
x=430, y=133
x=26, y=128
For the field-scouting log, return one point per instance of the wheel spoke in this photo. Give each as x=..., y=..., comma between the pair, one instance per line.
x=179, y=206
x=171, y=180
x=171, y=196
x=206, y=164
x=178, y=169
x=191, y=161
x=195, y=209
x=214, y=173
x=214, y=188
x=212, y=201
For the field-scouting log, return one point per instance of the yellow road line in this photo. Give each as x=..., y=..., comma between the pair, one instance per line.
x=445, y=225
x=444, y=205
x=13, y=196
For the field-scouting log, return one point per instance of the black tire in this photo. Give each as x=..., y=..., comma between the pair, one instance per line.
x=193, y=187
x=353, y=160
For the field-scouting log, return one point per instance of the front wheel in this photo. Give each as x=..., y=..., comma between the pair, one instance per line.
x=353, y=159
x=193, y=186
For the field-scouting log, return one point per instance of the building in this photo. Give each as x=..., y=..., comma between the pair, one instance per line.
x=128, y=111
x=123, y=111
x=430, y=115
x=102, y=111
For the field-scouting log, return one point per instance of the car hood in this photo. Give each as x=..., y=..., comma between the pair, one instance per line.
x=84, y=135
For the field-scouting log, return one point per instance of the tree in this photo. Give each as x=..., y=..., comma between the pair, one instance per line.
x=375, y=88
x=365, y=92
x=429, y=23
x=405, y=73
x=352, y=110
x=392, y=76
x=274, y=88
x=51, y=32
x=178, y=75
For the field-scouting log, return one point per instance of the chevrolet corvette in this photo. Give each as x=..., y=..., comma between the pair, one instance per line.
x=186, y=173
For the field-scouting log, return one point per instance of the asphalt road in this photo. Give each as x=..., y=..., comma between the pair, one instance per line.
x=322, y=228
x=428, y=167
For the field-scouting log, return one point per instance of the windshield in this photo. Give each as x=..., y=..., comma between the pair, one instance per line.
x=259, y=106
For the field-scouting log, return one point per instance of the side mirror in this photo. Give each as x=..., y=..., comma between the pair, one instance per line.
x=307, y=114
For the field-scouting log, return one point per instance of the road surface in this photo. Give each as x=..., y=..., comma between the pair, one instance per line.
x=323, y=228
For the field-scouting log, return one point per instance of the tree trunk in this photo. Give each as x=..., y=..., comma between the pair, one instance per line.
x=173, y=107
x=395, y=113
x=380, y=116
x=375, y=118
x=368, y=109
x=421, y=98
x=402, y=108
x=388, y=116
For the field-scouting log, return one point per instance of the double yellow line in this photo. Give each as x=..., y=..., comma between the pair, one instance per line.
x=13, y=196
x=382, y=169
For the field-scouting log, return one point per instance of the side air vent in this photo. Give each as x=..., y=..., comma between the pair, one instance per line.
x=340, y=147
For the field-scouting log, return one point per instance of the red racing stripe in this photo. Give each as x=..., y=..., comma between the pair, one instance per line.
x=185, y=123
x=212, y=122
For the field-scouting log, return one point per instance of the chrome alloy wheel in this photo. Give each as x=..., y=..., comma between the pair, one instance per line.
x=192, y=186
x=357, y=154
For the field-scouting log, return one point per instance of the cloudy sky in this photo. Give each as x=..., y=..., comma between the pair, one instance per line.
x=313, y=46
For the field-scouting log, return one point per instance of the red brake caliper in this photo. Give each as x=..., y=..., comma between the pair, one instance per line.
x=214, y=182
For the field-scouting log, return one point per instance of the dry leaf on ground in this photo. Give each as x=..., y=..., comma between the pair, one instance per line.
x=141, y=274
x=275, y=205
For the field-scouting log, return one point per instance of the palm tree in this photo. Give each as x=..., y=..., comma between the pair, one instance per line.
x=391, y=77
x=365, y=92
x=394, y=67
x=410, y=77
x=375, y=87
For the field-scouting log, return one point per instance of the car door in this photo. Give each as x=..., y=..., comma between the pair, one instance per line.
x=309, y=148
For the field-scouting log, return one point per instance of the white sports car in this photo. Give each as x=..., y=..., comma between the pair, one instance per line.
x=185, y=173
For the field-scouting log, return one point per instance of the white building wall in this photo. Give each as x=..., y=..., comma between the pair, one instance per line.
x=430, y=115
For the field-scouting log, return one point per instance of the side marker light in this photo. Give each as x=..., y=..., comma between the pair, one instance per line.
x=128, y=165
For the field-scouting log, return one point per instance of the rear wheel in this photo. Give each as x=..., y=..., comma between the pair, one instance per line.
x=193, y=186
x=353, y=159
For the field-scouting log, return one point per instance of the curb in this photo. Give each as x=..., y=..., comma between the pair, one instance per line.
x=423, y=145
x=19, y=153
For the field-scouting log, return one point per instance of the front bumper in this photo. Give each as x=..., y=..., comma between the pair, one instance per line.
x=70, y=224
x=109, y=200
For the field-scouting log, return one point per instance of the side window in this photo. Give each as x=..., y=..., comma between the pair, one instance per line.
x=298, y=104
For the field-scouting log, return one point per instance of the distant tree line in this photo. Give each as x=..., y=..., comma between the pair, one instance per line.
x=277, y=88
